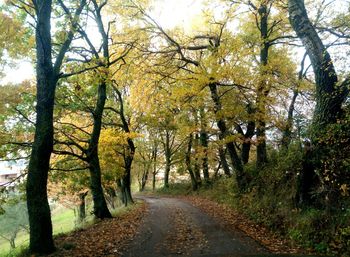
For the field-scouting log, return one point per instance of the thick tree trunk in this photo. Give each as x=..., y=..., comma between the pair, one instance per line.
x=40, y=224
x=236, y=161
x=100, y=206
x=329, y=96
x=189, y=165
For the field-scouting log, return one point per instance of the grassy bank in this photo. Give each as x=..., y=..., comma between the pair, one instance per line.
x=63, y=220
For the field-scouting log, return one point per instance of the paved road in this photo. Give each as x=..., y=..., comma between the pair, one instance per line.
x=176, y=228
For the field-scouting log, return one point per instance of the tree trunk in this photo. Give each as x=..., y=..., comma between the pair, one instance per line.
x=13, y=239
x=223, y=161
x=196, y=166
x=247, y=136
x=189, y=165
x=329, y=96
x=127, y=177
x=111, y=193
x=263, y=90
x=128, y=159
x=123, y=192
x=236, y=161
x=167, y=159
x=144, y=177
x=204, y=144
x=40, y=224
x=287, y=132
x=154, y=173
x=47, y=75
x=100, y=206
x=306, y=179
x=82, y=213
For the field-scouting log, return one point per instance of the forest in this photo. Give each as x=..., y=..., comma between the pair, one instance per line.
x=245, y=103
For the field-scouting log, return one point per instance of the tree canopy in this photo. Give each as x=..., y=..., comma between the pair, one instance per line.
x=249, y=87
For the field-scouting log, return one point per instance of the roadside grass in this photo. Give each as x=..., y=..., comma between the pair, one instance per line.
x=64, y=220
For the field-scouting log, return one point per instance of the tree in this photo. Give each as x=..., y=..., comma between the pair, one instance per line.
x=48, y=74
x=330, y=95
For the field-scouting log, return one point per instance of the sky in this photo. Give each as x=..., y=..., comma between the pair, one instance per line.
x=168, y=13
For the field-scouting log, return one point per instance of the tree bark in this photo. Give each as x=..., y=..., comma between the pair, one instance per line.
x=224, y=164
x=154, y=172
x=128, y=163
x=167, y=151
x=236, y=161
x=82, y=213
x=204, y=144
x=329, y=96
x=154, y=159
x=123, y=193
x=189, y=165
x=263, y=90
x=47, y=76
x=144, y=177
x=247, y=136
x=100, y=206
x=41, y=240
x=196, y=168
x=130, y=152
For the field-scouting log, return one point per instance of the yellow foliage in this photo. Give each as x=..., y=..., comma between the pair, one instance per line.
x=113, y=146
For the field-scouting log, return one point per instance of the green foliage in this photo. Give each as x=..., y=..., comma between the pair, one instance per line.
x=333, y=162
x=16, y=39
x=176, y=189
x=14, y=220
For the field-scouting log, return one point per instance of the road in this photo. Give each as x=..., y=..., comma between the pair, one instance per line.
x=173, y=227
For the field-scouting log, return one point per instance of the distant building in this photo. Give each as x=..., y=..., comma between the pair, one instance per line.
x=7, y=176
